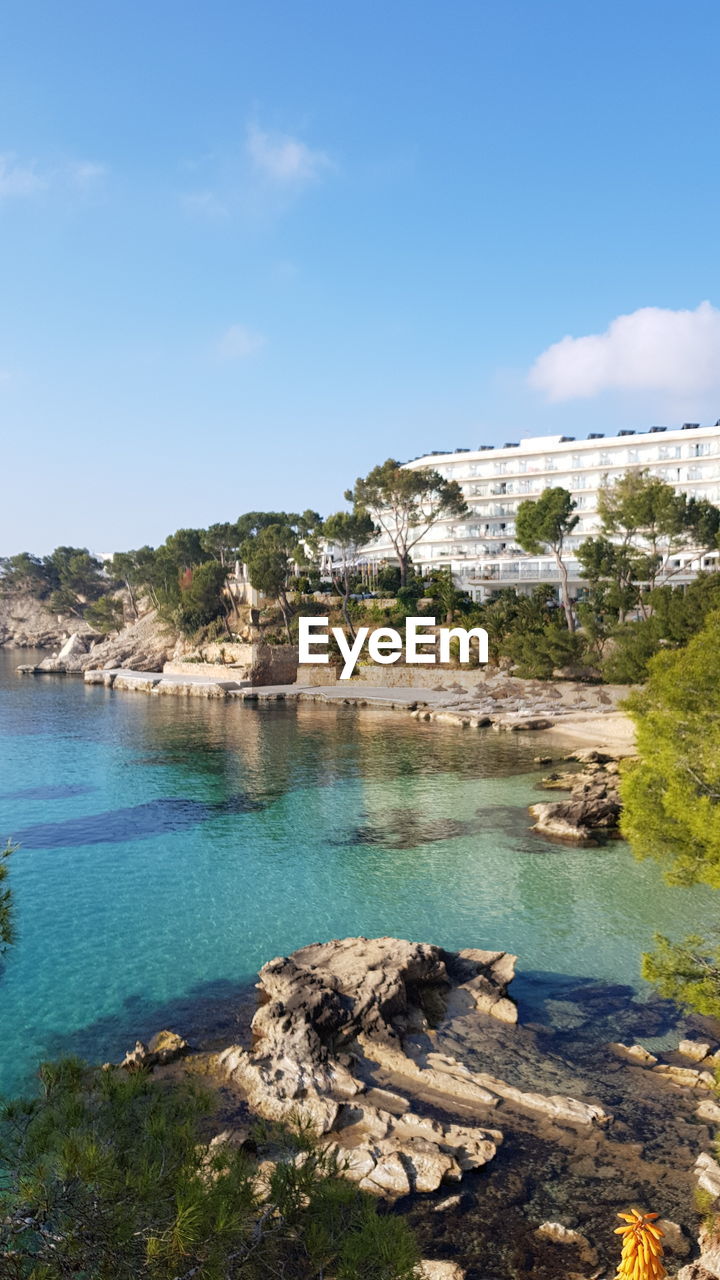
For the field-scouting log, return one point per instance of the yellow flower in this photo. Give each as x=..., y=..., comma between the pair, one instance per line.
x=642, y=1250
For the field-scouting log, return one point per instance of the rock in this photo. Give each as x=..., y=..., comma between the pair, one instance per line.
x=448, y=1204
x=675, y=1241
x=531, y=722
x=696, y=1050
x=137, y=1059
x=73, y=646
x=389, y=1175
x=708, y=1110
x=593, y=807
x=558, y=1234
x=633, y=1053
x=706, y=1267
x=164, y=1047
x=167, y=1046
x=707, y=1175
x=440, y=1270
x=686, y=1077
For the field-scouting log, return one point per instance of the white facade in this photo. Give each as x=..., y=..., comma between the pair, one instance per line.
x=480, y=548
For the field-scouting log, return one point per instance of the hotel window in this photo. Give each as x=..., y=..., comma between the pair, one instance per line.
x=501, y=468
x=695, y=473
x=699, y=450
x=633, y=455
x=550, y=463
x=522, y=468
x=577, y=460
x=669, y=451
x=604, y=457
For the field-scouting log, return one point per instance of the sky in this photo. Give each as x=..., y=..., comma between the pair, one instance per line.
x=249, y=249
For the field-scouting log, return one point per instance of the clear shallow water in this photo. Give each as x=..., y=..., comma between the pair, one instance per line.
x=170, y=847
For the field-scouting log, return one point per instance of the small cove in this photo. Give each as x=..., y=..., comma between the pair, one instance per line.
x=170, y=847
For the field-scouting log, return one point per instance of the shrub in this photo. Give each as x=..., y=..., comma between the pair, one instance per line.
x=111, y=1176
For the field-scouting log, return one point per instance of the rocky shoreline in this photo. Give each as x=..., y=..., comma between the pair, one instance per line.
x=508, y=1145
x=592, y=813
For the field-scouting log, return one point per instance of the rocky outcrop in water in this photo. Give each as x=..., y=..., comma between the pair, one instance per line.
x=412, y=1065
x=592, y=813
x=343, y=1039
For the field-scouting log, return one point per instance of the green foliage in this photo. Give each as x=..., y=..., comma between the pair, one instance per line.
x=105, y=614
x=26, y=572
x=70, y=577
x=671, y=794
x=544, y=524
x=546, y=521
x=347, y=531
x=648, y=521
x=633, y=645
x=445, y=596
x=201, y=596
x=613, y=572
x=538, y=653
x=687, y=972
x=7, y=932
x=271, y=554
x=111, y=1176
x=76, y=577
x=388, y=579
x=406, y=504
x=674, y=616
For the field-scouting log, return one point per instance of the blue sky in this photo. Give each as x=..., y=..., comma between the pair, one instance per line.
x=248, y=250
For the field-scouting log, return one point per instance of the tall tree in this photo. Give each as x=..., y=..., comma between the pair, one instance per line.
x=671, y=800
x=270, y=554
x=406, y=503
x=77, y=578
x=26, y=572
x=671, y=793
x=646, y=518
x=543, y=525
x=348, y=531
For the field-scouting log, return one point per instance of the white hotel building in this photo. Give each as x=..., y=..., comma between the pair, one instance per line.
x=480, y=547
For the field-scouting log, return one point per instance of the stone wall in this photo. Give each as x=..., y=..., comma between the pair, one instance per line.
x=274, y=664
x=211, y=669
x=397, y=675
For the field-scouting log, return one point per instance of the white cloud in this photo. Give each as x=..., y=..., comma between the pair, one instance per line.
x=283, y=159
x=18, y=180
x=84, y=173
x=240, y=343
x=652, y=349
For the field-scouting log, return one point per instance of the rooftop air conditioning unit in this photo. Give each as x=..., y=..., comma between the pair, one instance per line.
x=690, y=426
x=566, y=439
x=511, y=444
x=596, y=435
x=653, y=429
x=626, y=433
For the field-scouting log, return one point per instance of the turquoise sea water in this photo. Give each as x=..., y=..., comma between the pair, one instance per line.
x=169, y=847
